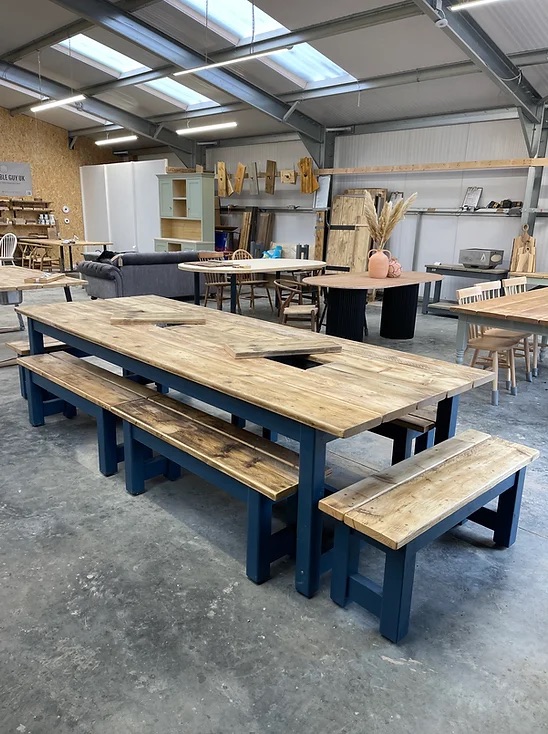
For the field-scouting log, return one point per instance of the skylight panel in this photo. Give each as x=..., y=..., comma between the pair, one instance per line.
x=116, y=63
x=102, y=55
x=239, y=22
x=236, y=16
x=175, y=92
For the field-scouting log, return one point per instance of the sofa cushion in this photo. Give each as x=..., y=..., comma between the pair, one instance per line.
x=153, y=258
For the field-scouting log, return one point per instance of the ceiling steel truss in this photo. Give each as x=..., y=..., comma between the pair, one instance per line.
x=463, y=30
x=111, y=17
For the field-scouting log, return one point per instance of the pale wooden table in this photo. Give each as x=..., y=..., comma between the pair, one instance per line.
x=346, y=308
x=12, y=285
x=62, y=244
x=233, y=268
x=344, y=394
x=520, y=312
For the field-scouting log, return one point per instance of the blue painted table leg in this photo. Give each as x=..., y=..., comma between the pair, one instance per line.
x=397, y=589
x=270, y=435
x=69, y=411
x=196, y=289
x=35, y=401
x=237, y=421
x=164, y=389
x=309, y=519
x=233, y=293
x=135, y=456
x=106, y=443
x=508, y=513
x=22, y=382
x=259, y=531
x=36, y=338
x=446, y=419
x=402, y=444
x=346, y=557
x=424, y=441
x=173, y=471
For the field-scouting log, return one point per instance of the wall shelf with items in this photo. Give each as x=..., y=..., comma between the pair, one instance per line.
x=187, y=212
x=15, y=213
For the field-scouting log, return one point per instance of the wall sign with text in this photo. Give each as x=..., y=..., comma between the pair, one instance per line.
x=15, y=179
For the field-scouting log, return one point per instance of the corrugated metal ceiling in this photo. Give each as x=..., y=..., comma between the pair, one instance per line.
x=516, y=25
x=411, y=100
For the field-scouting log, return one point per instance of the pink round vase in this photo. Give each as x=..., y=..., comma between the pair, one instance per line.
x=378, y=263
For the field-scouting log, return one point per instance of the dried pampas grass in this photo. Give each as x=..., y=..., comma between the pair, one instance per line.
x=382, y=225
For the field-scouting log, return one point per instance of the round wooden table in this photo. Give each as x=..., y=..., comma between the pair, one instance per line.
x=347, y=298
x=233, y=268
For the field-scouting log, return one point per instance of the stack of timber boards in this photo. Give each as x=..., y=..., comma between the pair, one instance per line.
x=350, y=246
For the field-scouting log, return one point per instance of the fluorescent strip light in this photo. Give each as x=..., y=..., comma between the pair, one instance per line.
x=471, y=4
x=57, y=103
x=229, y=62
x=204, y=128
x=114, y=141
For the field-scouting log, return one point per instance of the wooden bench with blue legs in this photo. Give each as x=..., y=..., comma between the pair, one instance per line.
x=418, y=426
x=21, y=348
x=161, y=434
x=402, y=509
x=62, y=383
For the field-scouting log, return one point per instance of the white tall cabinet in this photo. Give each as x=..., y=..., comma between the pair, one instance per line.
x=121, y=204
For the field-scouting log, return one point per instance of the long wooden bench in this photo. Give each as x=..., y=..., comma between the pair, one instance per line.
x=414, y=502
x=21, y=347
x=418, y=426
x=161, y=434
x=60, y=382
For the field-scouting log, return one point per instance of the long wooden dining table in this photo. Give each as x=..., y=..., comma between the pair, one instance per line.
x=313, y=401
x=522, y=312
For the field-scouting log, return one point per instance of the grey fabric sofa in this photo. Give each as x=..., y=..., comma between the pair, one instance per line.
x=140, y=274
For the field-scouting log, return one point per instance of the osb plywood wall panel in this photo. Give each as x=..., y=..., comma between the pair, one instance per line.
x=55, y=169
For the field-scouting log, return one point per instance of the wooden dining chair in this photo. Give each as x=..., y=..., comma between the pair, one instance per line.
x=494, y=289
x=8, y=245
x=215, y=283
x=499, y=349
x=289, y=295
x=251, y=281
x=511, y=287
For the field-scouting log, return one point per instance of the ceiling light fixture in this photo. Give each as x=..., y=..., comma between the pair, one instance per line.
x=50, y=104
x=205, y=128
x=114, y=141
x=469, y=4
x=229, y=62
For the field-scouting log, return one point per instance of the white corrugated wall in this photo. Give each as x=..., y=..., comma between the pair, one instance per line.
x=441, y=238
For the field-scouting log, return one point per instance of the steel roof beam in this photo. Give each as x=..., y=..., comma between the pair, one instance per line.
x=348, y=23
x=112, y=18
x=71, y=29
x=129, y=121
x=522, y=59
x=468, y=35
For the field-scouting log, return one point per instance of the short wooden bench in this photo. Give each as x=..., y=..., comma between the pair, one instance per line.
x=161, y=434
x=60, y=382
x=21, y=347
x=418, y=426
x=404, y=508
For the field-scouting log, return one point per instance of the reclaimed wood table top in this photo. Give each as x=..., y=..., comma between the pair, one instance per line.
x=253, y=265
x=12, y=278
x=343, y=394
x=528, y=308
x=363, y=281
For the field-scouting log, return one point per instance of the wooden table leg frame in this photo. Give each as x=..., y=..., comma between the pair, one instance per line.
x=141, y=463
x=41, y=404
x=391, y=602
x=309, y=562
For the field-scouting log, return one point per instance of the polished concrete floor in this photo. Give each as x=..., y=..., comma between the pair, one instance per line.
x=134, y=616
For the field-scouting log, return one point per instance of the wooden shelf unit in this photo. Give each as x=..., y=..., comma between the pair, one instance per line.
x=187, y=212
